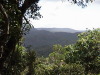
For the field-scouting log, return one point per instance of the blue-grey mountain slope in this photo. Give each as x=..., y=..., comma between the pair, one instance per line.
x=42, y=40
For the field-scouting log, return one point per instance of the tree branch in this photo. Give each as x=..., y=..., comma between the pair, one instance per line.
x=4, y=35
x=2, y=10
x=27, y=4
x=27, y=22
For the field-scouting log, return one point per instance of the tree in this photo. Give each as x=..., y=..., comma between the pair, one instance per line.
x=55, y=64
x=88, y=47
x=20, y=62
x=86, y=51
x=13, y=24
x=16, y=62
x=31, y=58
x=82, y=3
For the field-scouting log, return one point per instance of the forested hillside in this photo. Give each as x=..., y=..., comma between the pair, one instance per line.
x=42, y=40
x=80, y=58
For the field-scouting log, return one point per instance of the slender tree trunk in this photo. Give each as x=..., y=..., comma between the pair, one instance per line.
x=10, y=46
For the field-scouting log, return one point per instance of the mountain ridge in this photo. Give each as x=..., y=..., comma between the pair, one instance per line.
x=60, y=30
x=42, y=40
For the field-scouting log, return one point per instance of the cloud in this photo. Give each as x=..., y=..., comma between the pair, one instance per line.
x=97, y=1
x=65, y=15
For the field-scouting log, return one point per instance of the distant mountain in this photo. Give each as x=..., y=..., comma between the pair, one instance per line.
x=42, y=39
x=59, y=30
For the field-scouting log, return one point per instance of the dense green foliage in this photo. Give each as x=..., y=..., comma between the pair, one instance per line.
x=20, y=62
x=81, y=58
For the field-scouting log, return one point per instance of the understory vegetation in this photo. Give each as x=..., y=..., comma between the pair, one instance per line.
x=81, y=58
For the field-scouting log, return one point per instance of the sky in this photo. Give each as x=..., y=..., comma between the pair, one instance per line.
x=58, y=14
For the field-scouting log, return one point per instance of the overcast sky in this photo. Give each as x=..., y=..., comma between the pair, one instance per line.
x=58, y=14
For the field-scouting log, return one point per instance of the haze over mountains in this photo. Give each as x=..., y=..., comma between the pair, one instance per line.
x=59, y=30
x=42, y=39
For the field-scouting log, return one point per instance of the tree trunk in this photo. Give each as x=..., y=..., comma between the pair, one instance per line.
x=10, y=46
